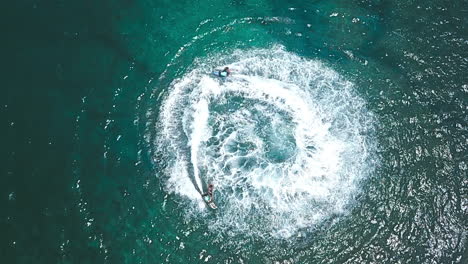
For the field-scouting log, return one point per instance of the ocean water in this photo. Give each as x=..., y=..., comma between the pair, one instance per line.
x=340, y=137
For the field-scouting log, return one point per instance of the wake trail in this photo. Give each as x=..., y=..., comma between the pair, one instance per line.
x=284, y=140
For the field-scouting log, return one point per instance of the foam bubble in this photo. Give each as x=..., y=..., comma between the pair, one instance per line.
x=283, y=140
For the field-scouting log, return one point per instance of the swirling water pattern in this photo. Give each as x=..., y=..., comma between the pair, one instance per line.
x=341, y=136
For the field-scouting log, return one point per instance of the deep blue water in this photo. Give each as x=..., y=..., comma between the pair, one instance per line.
x=341, y=136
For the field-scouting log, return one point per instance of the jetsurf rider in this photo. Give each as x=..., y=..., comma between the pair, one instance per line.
x=208, y=196
x=224, y=72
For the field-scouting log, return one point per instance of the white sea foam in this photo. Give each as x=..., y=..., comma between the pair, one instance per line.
x=284, y=140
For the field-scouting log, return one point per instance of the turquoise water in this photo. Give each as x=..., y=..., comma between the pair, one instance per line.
x=341, y=136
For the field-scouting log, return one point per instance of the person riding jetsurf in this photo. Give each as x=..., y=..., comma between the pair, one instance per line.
x=223, y=73
x=208, y=196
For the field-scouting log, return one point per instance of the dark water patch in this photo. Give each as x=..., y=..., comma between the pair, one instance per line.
x=80, y=182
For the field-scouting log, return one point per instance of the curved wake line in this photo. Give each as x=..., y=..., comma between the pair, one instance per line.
x=284, y=140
